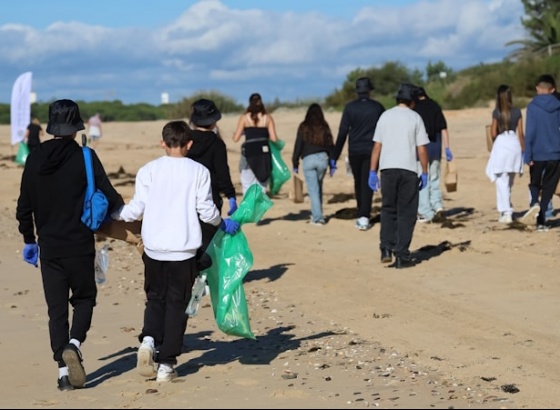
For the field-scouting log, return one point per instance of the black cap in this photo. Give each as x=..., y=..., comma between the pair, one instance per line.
x=205, y=112
x=364, y=85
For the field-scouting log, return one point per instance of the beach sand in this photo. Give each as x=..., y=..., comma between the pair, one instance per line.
x=473, y=325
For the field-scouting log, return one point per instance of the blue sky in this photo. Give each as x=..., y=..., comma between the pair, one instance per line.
x=136, y=50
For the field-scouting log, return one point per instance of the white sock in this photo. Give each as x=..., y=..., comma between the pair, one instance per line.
x=62, y=371
x=149, y=340
x=75, y=342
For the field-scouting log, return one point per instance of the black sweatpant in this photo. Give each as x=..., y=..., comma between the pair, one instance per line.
x=69, y=281
x=168, y=287
x=399, y=210
x=360, y=164
x=544, y=178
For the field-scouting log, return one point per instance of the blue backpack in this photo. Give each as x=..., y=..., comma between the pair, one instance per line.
x=96, y=204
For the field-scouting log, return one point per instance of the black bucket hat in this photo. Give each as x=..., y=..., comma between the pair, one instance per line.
x=205, y=112
x=408, y=92
x=64, y=118
x=364, y=85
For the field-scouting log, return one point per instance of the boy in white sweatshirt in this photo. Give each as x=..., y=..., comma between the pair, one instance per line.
x=171, y=194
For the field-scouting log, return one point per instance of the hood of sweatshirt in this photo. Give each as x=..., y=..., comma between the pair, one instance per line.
x=547, y=102
x=52, y=154
x=202, y=143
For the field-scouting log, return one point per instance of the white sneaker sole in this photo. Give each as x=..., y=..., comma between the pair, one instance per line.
x=145, y=364
x=530, y=215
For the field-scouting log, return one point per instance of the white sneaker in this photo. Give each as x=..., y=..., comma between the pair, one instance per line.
x=542, y=228
x=530, y=215
x=362, y=223
x=145, y=360
x=505, y=218
x=166, y=373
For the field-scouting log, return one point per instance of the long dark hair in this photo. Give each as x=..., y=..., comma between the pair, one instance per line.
x=503, y=105
x=255, y=107
x=314, y=128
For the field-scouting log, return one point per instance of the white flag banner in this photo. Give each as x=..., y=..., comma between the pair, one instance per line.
x=20, y=108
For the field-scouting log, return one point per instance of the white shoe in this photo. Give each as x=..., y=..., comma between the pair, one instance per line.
x=166, y=373
x=530, y=215
x=145, y=360
x=542, y=228
x=362, y=223
x=505, y=218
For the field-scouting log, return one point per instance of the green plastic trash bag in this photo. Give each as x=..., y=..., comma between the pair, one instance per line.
x=231, y=260
x=22, y=153
x=280, y=171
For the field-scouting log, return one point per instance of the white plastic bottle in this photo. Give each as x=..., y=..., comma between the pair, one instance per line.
x=101, y=265
x=198, y=291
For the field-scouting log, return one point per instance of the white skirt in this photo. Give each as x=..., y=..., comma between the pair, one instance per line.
x=506, y=156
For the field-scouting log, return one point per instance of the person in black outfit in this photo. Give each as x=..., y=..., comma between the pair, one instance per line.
x=430, y=201
x=358, y=123
x=210, y=150
x=33, y=134
x=53, y=186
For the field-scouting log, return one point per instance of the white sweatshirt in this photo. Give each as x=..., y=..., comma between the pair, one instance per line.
x=170, y=195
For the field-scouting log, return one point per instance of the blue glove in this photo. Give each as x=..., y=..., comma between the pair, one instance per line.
x=423, y=181
x=229, y=226
x=232, y=205
x=296, y=170
x=31, y=253
x=448, y=154
x=373, y=181
x=332, y=165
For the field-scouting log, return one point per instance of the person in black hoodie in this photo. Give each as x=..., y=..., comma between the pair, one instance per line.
x=210, y=150
x=50, y=203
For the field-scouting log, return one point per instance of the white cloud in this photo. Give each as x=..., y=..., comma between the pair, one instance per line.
x=284, y=55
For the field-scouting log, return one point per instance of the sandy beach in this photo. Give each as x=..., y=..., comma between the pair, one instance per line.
x=473, y=325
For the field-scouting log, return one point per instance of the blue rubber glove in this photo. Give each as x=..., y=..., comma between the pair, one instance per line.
x=332, y=165
x=373, y=181
x=448, y=154
x=232, y=205
x=31, y=254
x=423, y=181
x=296, y=170
x=229, y=226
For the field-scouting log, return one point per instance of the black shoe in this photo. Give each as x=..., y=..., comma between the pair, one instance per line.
x=73, y=359
x=402, y=263
x=386, y=256
x=64, y=384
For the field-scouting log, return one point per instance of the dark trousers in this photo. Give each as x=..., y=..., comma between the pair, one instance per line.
x=544, y=178
x=74, y=276
x=168, y=287
x=399, y=209
x=360, y=164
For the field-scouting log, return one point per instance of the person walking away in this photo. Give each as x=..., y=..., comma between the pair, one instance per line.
x=506, y=158
x=430, y=200
x=95, y=130
x=314, y=145
x=542, y=149
x=358, y=123
x=209, y=149
x=50, y=203
x=33, y=134
x=258, y=127
x=399, y=138
x=171, y=194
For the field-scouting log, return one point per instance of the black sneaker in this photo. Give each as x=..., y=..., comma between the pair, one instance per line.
x=64, y=384
x=73, y=359
x=403, y=263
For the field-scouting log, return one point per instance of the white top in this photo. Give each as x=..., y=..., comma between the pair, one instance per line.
x=170, y=195
x=400, y=130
